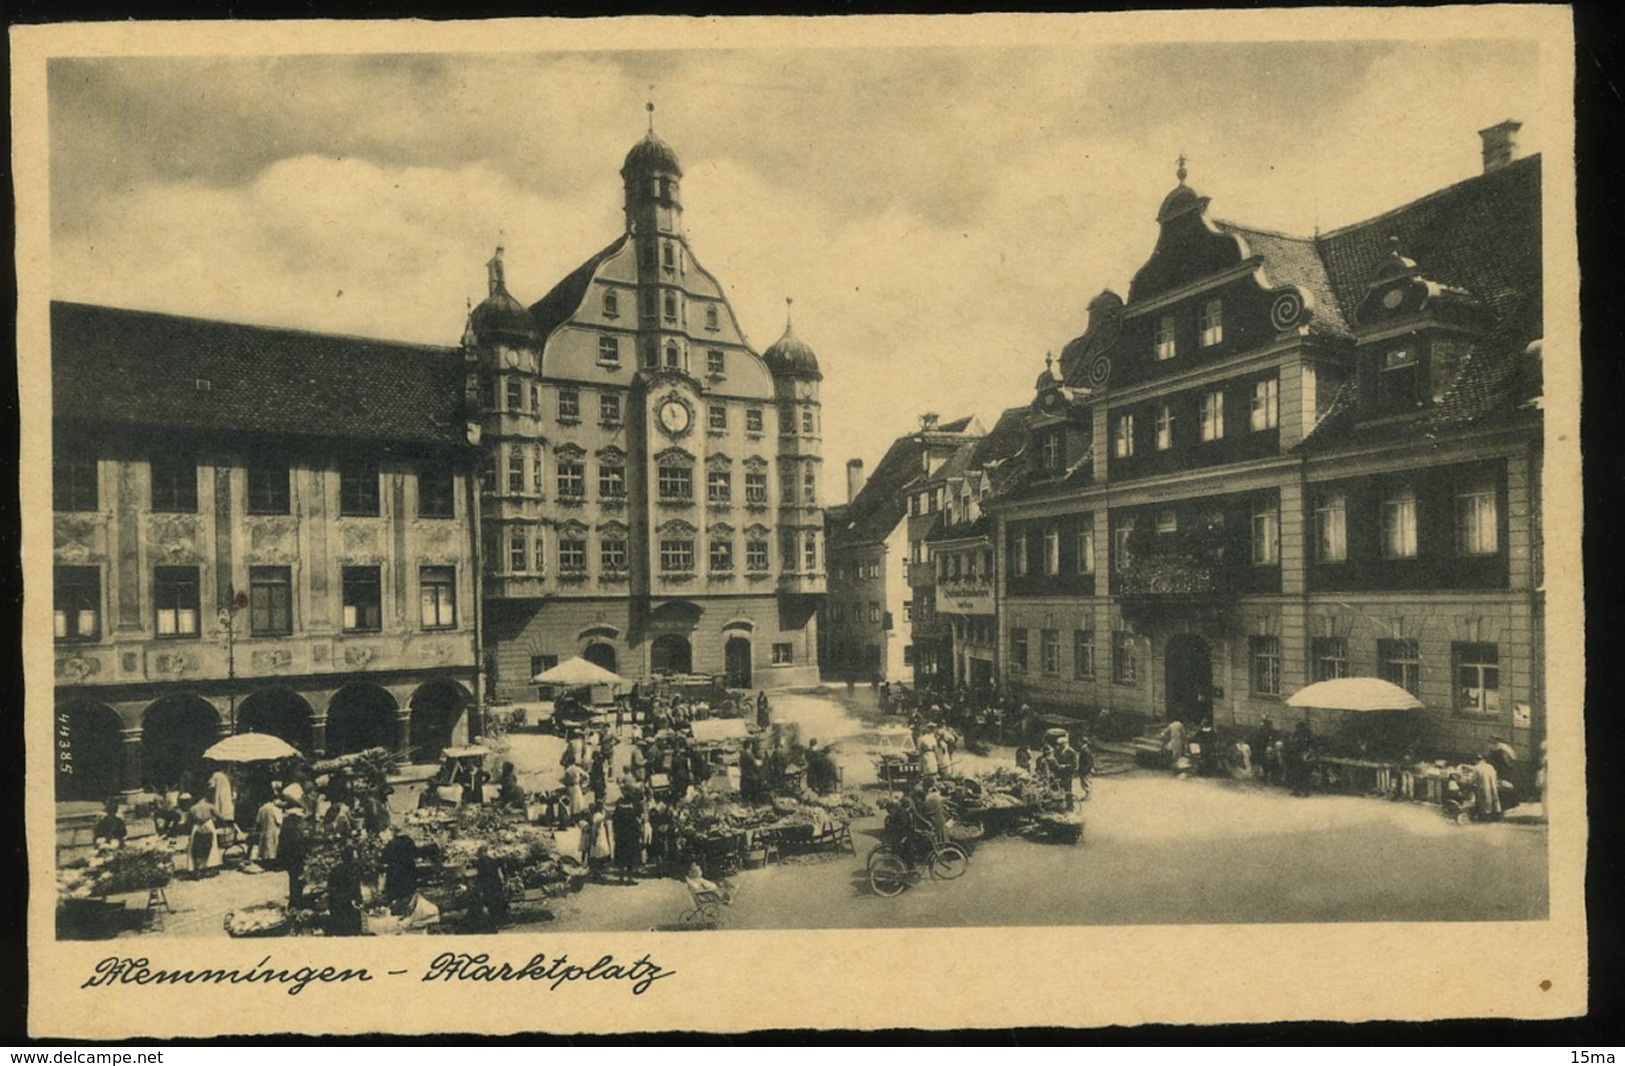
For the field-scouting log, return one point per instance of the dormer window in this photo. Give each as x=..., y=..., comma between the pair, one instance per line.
x=1165, y=337
x=1165, y=427
x=1212, y=323
x=1051, y=446
x=1396, y=381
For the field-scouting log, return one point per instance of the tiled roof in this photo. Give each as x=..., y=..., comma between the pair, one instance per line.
x=552, y=310
x=882, y=502
x=1296, y=261
x=127, y=370
x=1008, y=436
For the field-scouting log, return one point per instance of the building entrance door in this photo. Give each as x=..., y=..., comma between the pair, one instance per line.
x=670, y=654
x=1189, y=678
x=736, y=656
x=981, y=674
x=601, y=654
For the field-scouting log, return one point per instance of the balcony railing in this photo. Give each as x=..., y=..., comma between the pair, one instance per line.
x=1171, y=575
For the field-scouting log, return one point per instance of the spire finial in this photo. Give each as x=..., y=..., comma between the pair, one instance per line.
x=650, y=107
x=788, y=301
x=494, y=272
x=1180, y=173
x=1049, y=362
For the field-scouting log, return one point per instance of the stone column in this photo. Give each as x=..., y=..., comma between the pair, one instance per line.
x=130, y=770
x=318, y=735
x=403, y=734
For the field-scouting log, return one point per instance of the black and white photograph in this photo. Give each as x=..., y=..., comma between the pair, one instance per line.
x=589, y=485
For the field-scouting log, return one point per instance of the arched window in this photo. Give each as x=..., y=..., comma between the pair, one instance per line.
x=612, y=303
x=671, y=307
x=674, y=358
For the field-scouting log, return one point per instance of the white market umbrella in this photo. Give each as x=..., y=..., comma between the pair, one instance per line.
x=575, y=672
x=251, y=747
x=1354, y=694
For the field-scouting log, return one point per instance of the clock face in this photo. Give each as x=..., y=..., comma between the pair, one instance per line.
x=1393, y=298
x=674, y=416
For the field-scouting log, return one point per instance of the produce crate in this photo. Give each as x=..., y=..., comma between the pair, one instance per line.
x=92, y=919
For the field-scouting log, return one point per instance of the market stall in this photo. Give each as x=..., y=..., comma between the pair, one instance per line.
x=89, y=888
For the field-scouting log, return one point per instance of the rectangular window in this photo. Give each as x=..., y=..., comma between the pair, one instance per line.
x=516, y=471
x=675, y=483
x=809, y=552
x=676, y=555
x=572, y=479
x=611, y=479
x=809, y=486
x=174, y=484
x=784, y=653
x=1213, y=415
x=1121, y=537
x=1083, y=654
x=1049, y=645
x=756, y=486
x=1477, y=520
x=1397, y=377
x=569, y=405
x=1400, y=661
x=363, y=599
x=1125, y=665
x=268, y=488
x=715, y=361
x=669, y=304
x=572, y=555
x=1264, y=653
x=874, y=611
x=536, y=471
x=518, y=552
x=651, y=353
x=515, y=394
x=437, y=589
x=1123, y=437
x=1052, y=551
x=668, y=256
x=77, y=603
x=807, y=421
x=541, y=552
x=756, y=555
x=718, y=486
x=753, y=420
x=1051, y=456
x=1165, y=427
x=612, y=554
x=175, y=600
x=1478, y=679
x=358, y=487
x=1018, y=650
x=540, y=664
x=1086, y=551
x=536, y=397
x=1167, y=521
x=722, y=555
x=1329, y=658
x=270, y=600
x=1266, y=533
x=436, y=492
x=1212, y=323
x=609, y=408
x=908, y=610
x=1018, y=554
x=74, y=483
x=1331, y=528
x=1165, y=337
x=1399, y=525
x=717, y=416
x=488, y=474
x=609, y=349
x=1265, y=404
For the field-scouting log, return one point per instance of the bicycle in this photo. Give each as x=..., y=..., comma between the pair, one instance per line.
x=893, y=867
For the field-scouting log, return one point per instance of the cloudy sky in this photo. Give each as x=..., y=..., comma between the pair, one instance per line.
x=941, y=215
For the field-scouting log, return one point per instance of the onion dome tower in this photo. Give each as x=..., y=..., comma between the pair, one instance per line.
x=796, y=380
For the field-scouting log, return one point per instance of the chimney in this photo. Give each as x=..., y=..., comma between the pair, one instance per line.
x=928, y=421
x=1500, y=144
x=854, y=479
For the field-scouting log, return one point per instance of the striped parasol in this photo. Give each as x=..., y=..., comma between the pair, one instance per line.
x=251, y=747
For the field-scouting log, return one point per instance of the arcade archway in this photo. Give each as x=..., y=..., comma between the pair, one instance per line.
x=88, y=751
x=436, y=708
x=175, y=732
x=671, y=653
x=360, y=716
x=280, y=712
x=601, y=654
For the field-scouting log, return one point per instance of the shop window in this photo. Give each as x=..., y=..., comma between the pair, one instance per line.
x=1266, y=528
x=1478, y=679
x=437, y=494
x=675, y=483
x=174, y=484
x=1125, y=662
x=1166, y=347
x=1399, y=525
x=76, y=605
x=1477, y=519
x=716, y=416
x=175, y=601
x=722, y=555
x=1123, y=437
x=1083, y=654
x=1329, y=658
x=609, y=408
x=753, y=420
x=1049, y=644
x=1018, y=650
x=363, y=599
x=784, y=653
x=1400, y=661
x=612, y=554
x=1398, y=377
x=756, y=555
x=1331, y=528
x=676, y=555
x=609, y=349
x=1212, y=415
x=1165, y=427
x=1265, y=404
x=718, y=486
x=270, y=600
x=569, y=405
x=572, y=478
x=611, y=480
x=358, y=488
x=267, y=485
x=437, y=588
x=572, y=555
x=74, y=483
x=1264, y=653
x=1212, y=323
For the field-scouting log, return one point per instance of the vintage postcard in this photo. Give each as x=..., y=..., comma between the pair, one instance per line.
x=725, y=524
